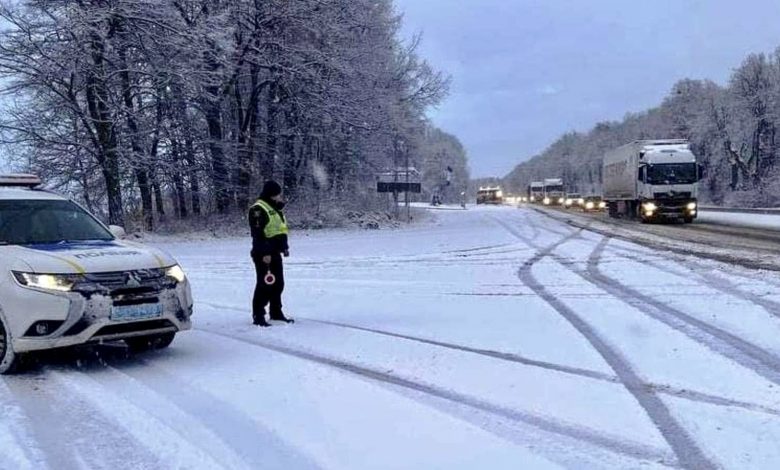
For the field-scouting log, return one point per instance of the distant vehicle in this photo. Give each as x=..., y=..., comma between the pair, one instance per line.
x=536, y=191
x=652, y=179
x=68, y=279
x=553, y=192
x=573, y=200
x=490, y=195
x=593, y=204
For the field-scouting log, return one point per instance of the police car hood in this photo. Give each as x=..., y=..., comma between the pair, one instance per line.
x=91, y=257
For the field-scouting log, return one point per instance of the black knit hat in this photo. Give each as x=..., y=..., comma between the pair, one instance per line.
x=270, y=189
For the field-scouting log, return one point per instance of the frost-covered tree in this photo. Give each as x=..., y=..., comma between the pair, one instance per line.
x=140, y=107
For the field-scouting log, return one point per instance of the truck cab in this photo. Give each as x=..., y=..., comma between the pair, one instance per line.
x=652, y=180
x=490, y=195
x=553, y=192
x=667, y=183
x=536, y=191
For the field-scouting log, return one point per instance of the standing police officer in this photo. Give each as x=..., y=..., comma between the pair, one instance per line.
x=269, y=243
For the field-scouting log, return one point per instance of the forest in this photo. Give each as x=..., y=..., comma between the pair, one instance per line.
x=151, y=110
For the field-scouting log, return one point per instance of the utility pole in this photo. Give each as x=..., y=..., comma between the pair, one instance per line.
x=408, y=210
x=395, y=179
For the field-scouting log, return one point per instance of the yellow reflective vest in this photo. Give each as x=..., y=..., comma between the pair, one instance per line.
x=276, y=225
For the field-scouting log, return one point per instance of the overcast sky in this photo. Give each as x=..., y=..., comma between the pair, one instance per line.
x=526, y=71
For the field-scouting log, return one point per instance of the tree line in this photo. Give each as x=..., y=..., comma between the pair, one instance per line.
x=732, y=129
x=140, y=108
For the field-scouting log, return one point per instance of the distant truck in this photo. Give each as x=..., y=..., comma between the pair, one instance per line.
x=553, y=192
x=536, y=191
x=490, y=195
x=651, y=180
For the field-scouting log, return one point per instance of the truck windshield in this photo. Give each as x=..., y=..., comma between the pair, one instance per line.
x=554, y=189
x=671, y=173
x=35, y=222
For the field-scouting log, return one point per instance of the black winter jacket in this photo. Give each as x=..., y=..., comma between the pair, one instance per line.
x=262, y=246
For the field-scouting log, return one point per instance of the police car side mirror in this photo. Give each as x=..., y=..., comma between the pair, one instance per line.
x=117, y=231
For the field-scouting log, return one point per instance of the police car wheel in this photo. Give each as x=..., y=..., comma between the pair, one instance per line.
x=147, y=343
x=9, y=360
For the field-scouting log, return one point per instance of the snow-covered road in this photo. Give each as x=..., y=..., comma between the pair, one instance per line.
x=492, y=338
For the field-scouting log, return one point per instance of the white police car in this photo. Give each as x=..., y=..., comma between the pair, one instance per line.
x=66, y=279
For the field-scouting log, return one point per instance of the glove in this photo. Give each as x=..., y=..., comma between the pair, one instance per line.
x=267, y=259
x=286, y=253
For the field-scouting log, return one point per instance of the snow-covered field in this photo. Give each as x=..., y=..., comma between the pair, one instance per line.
x=492, y=338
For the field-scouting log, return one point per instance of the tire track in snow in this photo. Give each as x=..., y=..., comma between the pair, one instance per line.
x=727, y=344
x=685, y=448
x=167, y=443
x=716, y=282
x=224, y=431
x=690, y=395
x=71, y=434
x=583, y=434
x=19, y=449
x=435, y=256
x=503, y=356
x=748, y=355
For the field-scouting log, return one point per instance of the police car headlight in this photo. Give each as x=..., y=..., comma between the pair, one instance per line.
x=176, y=273
x=55, y=282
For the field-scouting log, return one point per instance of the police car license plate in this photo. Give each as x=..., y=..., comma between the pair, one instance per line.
x=136, y=312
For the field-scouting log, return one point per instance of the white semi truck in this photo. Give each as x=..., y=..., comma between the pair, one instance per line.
x=536, y=191
x=651, y=180
x=553, y=192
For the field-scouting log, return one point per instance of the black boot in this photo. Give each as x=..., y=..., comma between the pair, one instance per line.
x=260, y=322
x=280, y=317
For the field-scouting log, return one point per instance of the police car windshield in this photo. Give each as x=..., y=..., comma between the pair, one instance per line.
x=34, y=222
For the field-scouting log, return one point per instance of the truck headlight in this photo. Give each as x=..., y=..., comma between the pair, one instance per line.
x=602, y=205
x=546, y=201
x=176, y=273
x=649, y=207
x=55, y=282
x=691, y=206
x=589, y=205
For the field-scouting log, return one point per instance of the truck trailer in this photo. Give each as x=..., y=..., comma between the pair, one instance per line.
x=652, y=180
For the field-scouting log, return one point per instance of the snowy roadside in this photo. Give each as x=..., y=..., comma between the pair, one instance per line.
x=734, y=219
x=745, y=246
x=232, y=229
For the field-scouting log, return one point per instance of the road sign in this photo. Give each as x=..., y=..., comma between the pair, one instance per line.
x=399, y=181
x=400, y=187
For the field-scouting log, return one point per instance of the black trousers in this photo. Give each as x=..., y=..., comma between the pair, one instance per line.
x=265, y=294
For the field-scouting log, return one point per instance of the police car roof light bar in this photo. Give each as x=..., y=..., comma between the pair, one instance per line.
x=20, y=180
